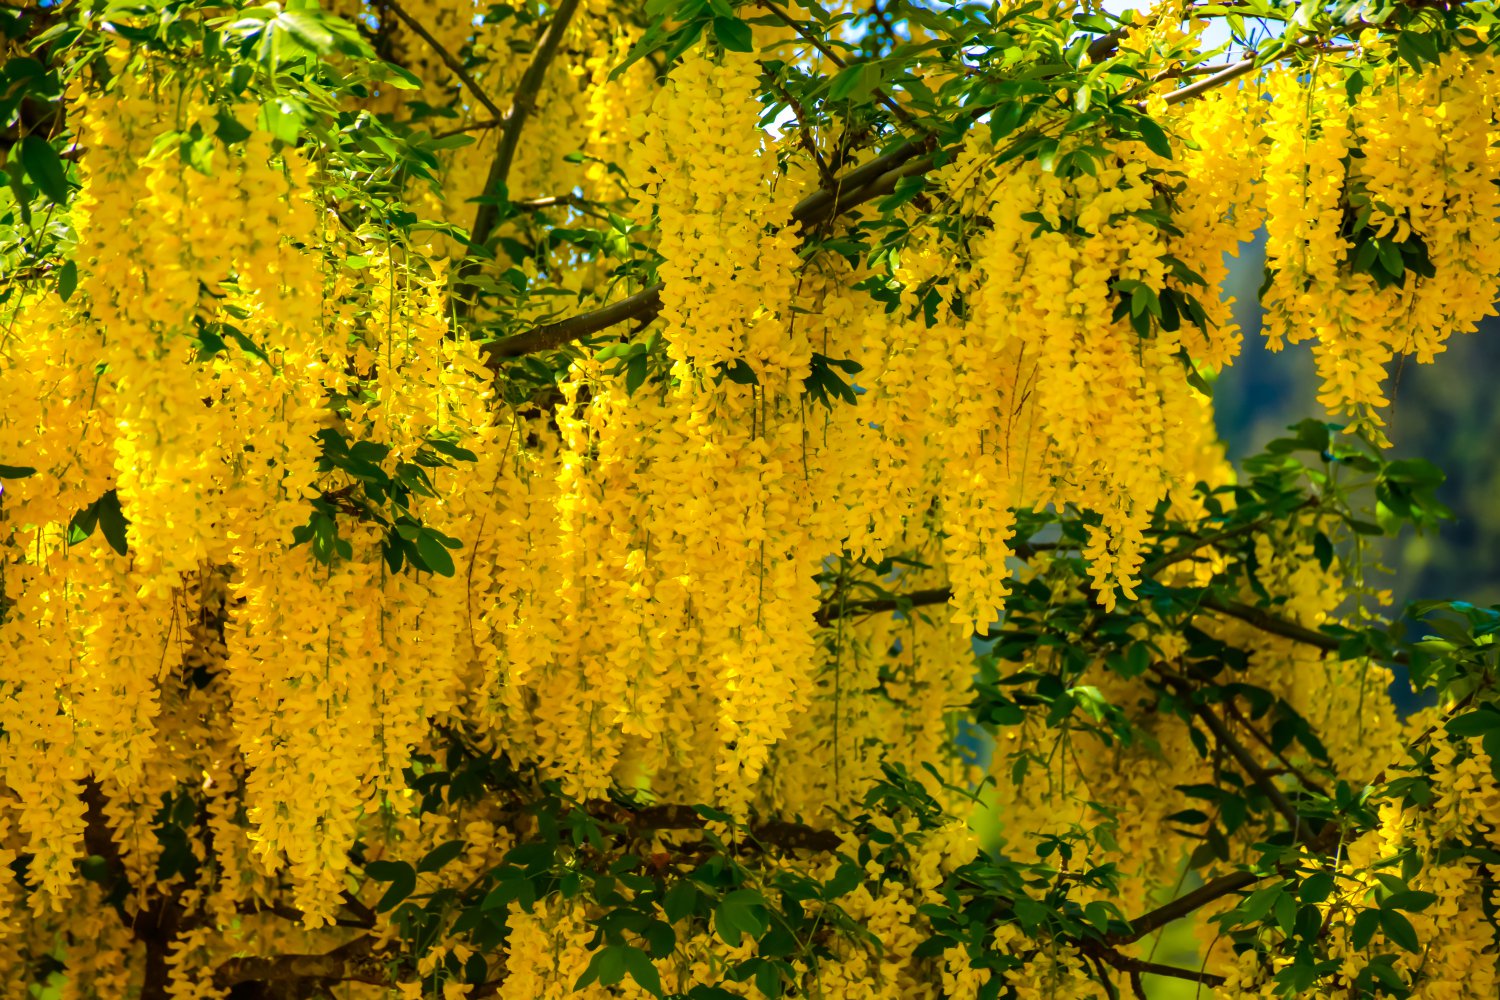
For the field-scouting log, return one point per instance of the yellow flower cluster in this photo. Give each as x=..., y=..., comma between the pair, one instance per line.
x=1056, y=398
x=1381, y=217
x=653, y=589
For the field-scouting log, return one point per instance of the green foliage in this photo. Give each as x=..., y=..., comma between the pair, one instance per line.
x=106, y=514
x=388, y=497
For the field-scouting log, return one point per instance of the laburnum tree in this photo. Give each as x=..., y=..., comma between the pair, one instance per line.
x=606, y=498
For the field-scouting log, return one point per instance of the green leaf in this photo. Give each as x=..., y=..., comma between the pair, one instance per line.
x=67, y=280
x=1475, y=723
x=1399, y=930
x=1154, y=137
x=227, y=128
x=1364, y=929
x=845, y=83
x=733, y=34
x=112, y=520
x=680, y=901
x=660, y=938
x=307, y=28
x=434, y=554
x=606, y=968
x=1258, y=904
x=1412, y=900
x=635, y=373
x=741, y=912
x=1046, y=154
x=639, y=965
x=16, y=471
x=401, y=876
x=1316, y=887
x=844, y=881
x=45, y=168
x=440, y=856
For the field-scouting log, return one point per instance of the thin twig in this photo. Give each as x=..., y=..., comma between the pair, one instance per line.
x=1154, y=567
x=1260, y=738
x=834, y=58
x=1244, y=759
x=446, y=56
x=1136, y=966
x=479, y=126
x=532, y=204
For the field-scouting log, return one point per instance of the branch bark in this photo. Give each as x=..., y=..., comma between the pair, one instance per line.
x=642, y=306
x=1244, y=759
x=1136, y=967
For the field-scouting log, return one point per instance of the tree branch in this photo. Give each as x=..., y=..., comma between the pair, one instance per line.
x=1200, y=897
x=1243, y=758
x=1155, y=566
x=155, y=925
x=833, y=610
x=773, y=833
x=871, y=180
x=521, y=107
x=446, y=56
x=1135, y=967
x=479, y=126
x=1182, y=906
x=1273, y=625
x=354, y=962
x=643, y=305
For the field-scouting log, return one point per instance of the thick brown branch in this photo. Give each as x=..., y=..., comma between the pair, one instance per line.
x=355, y=962
x=643, y=306
x=771, y=833
x=521, y=107
x=447, y=57
x=155, y=925
x=1200, y=897
x=1272, y=625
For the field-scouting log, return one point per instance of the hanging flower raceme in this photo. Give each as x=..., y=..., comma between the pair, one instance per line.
x=1070, y=361
x=1381, y=217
